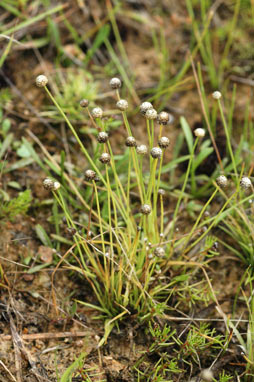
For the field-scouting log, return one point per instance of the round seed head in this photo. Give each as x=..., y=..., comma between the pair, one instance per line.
x=142, y=150
x=216, y=94
x=163, y=142
x=245, y=183
x=159, y=251
x=90, y=175
x=161, y=192
x=84, y=103
x=122, y=104
x=41, y=81
x=130, y=142
x=200, y=133
x=102, y=137
x=145, y=106
x=145, y=209
x=222, y=181
x=48, y=184
x=115, y=83
x=105, y=158
x=156, y=152
x=56, y=186
x=97, y=112
x=206, y=375
x=151, y=114
x=163, y=118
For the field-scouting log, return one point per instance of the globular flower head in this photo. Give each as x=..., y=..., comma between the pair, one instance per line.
x=90, y=175
x=163, y=142
x=206, y=375
x=156, y=152
x=145, y=209
x=97, y=112
x=56, y=186
x=105, y=158
x=122, y=105
x=222, y=181
x=199, y=132
x=142, y=150
x=48, y=184
x=163, y=118
x=102, y=137
x=145, y=106
x=130, y=142
x=84, y=102
x=245, y=182
x=51, y=185
x=216, y=95
x=115, y=83
x=161, y=192
x=41, y=81
x=159, y=251
x=151, y=114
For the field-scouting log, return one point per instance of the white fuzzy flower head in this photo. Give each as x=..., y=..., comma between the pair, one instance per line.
x=206, y=375
x=156, y=152
x=56, y=186
x=145, y=106
x=102, y=137
x=97, y=112
x=122, y=104
x=159, y=251
x=145, y=209
x=163, y=118
x=245, y=183
x=105, y=158
x=216, y=95
x=48, y=184
x=115, y=83
x=199, y=133
x=41, y=81
x=163, y=142
x=130, y=142
x=151, y=114
x=222, y=181
x=142, y=150
x=90, y=175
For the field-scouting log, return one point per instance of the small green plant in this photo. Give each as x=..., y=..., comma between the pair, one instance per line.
x=124, y=253
x=246, y=340
x=16, y=206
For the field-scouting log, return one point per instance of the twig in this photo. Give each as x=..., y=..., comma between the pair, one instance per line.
x=36, y=336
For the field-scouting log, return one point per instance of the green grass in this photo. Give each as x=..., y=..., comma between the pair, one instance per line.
x=140, y=269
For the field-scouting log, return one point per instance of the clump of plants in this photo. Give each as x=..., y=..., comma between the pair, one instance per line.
x=128, y=246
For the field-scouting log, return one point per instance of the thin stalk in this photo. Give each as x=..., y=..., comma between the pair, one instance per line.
x=201, y=214
x=183, y=189
x=228, y=138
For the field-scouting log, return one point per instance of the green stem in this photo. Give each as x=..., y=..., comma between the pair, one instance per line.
x=228, y=137
x=183, y=189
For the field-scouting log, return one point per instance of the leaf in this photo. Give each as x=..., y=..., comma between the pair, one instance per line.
x=204, y=153
x=187, y=132
x=43, y=236
x=6, y=143
x=67, y=375
x=19, y=164
x=37, y=268
x=98, y=41
x=23, y=151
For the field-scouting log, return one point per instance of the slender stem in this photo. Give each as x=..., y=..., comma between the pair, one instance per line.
x=201, y=214
x=183, y=189
x=228, y=138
